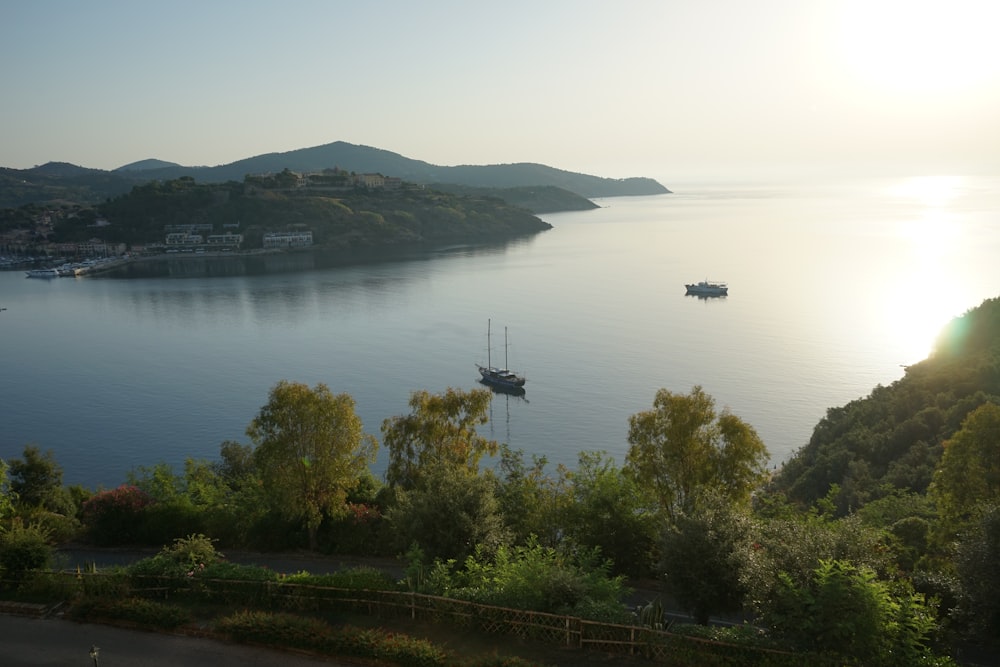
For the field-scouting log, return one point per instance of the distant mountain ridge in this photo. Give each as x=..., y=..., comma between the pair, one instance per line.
x=61, y=181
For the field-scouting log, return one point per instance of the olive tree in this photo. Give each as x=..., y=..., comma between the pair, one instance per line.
x=310, y=449
x=682, y=449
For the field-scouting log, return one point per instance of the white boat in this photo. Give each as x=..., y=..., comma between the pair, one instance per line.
x=501, y=378
x=707, y=288
x=42, y=273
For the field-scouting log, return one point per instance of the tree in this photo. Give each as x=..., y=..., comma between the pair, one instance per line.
x=976, y=558
x=702, y=557
x=6, y=495
x=533, y=504
x=682, y=449
x=36, y=481
x=440, y=429
x=969, y=471
x=609, y=511
x=310, y=449
x=449, y=514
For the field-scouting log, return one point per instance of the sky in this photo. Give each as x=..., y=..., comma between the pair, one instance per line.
x=660, y=88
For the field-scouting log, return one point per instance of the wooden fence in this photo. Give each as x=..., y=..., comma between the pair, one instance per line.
x=568, y=631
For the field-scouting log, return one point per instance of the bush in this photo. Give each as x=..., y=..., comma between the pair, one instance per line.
x=24, y=548
x=358, y=578
x=311, y=634
x=134, y=610
x=115, y=517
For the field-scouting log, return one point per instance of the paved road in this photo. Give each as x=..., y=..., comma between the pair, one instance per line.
x=60, y=643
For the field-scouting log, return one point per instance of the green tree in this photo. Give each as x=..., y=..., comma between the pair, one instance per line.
x=533, y=503
x=448, y=514
x=6, y=495
x=976, y=558
x=36, y=481
x=609, y=511
x=702, y=558
x=682, y=449
x=440, y=430
x=969, y=471
x=310, y=450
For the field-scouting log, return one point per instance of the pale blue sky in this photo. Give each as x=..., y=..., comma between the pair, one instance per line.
x=634, y=87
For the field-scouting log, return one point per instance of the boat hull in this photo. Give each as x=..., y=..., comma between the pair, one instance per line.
x=707, y=289
x=499, y=377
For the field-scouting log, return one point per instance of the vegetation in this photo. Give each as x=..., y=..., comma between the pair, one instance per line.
x=310, y=450
x=876, y=544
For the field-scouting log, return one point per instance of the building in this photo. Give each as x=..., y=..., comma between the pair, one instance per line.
x=288, y=239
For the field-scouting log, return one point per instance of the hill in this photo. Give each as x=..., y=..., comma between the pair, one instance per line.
x=61, y=182
x=893, y=438
x=349, y=218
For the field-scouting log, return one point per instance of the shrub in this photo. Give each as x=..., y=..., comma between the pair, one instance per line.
x=134, y=610
x=358, y=578
x=24, y=548
x=115, y=516
x=289, y=630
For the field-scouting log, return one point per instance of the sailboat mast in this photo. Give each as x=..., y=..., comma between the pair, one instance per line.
x=489, y=360
x=506, y=364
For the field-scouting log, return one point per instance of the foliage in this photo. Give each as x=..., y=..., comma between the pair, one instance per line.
x=449, y=513
x=358, y=578
x=533, y=577
x=23, y=548
x=702, y=557
x=36, y=482
x=845, y=610
x=440, y=431
x=138, y=611
x=978, y=552
x=608, y=510
x=7, y=497
x=193, y=550
x=892, y=439
x=531, y=502
x=310, y=449
x=312, y=634
x=795, y=546
x=969, y=471
x=682, y=449
x=115, y=516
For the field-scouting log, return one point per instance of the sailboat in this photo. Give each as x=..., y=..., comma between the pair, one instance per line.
x=501, y=378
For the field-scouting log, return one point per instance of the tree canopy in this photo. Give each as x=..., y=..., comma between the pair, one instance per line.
x=682, y=449
x=310, y=450
x=969, y=472
x=440, y=430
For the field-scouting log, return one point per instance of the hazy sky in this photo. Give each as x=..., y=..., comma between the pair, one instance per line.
x=661, y=88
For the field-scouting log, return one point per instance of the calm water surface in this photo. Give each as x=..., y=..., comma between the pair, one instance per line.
x=832, y=291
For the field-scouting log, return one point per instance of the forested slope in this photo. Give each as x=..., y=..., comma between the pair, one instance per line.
x=893, y=437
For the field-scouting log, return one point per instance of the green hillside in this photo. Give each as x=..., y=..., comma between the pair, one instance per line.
x=893, y=438
x=354, y=217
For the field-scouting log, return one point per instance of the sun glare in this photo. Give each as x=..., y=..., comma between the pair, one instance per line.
x=931, y=191
x=921, y=46
x=926, y=289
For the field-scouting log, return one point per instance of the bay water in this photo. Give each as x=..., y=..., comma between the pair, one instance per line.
x=833, y=290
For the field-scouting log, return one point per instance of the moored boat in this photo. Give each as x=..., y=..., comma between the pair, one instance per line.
x=501, y=378
x=42, y=273
x=707, y=288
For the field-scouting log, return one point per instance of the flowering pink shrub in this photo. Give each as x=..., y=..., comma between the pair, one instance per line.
x=113, y=516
